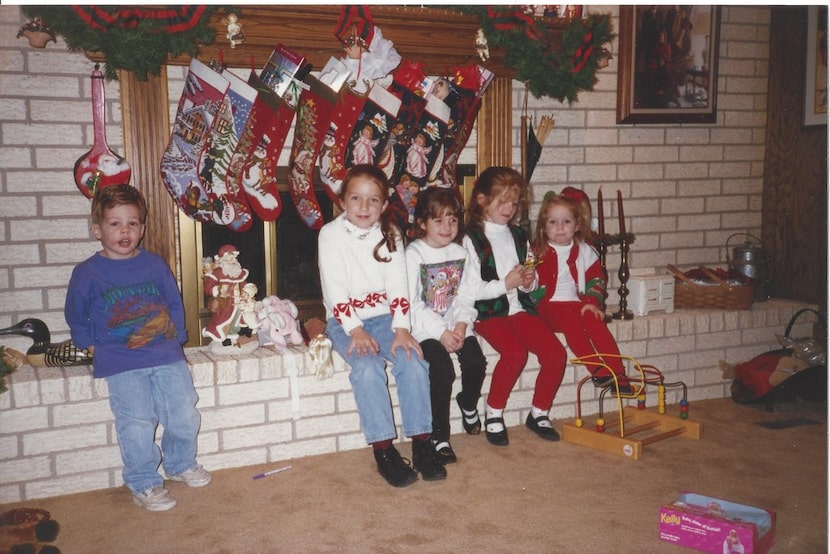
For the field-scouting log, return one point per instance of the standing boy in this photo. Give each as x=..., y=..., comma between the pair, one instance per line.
x=124, y=306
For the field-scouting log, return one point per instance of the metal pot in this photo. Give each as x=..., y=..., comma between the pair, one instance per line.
x=750, y=259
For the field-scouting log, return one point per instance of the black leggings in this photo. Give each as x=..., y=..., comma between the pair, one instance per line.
x=442, y=375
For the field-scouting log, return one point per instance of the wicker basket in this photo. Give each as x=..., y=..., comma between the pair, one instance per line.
x=723, y=296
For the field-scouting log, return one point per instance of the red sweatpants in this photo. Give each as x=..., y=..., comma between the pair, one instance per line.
x=585, y=334
x=513, y=337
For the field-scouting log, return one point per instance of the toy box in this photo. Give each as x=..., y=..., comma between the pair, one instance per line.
x=718, y=526
x=650, y=291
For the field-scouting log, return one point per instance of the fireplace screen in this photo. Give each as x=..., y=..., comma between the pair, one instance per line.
x=281, y=256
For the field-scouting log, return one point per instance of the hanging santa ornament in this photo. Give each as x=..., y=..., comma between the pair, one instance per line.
x=101, y=166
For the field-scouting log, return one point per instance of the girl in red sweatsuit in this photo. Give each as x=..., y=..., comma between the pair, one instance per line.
x=571, y=273
x=499, y=253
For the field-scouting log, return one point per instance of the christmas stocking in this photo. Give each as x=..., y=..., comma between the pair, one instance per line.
x=216, y=158
x=375, y=133
x=314, y=112
x=424, y=147
x=407, y=80
x=253, y=166
x=463, y=96
x=363, y=140
x=332, y=152
x=203, y=93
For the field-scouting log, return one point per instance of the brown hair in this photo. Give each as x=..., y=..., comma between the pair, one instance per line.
x=106, y=198
x=583, y=226
x=433, y=203
x=492, y=183
x=377, y=176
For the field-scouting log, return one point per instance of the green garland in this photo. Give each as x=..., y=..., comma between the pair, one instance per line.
x=142, y=49
x=614, y=240
x=547, y=72
x=557, y=73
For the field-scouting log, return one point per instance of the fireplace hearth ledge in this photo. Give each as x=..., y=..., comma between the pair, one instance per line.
x=58, y=435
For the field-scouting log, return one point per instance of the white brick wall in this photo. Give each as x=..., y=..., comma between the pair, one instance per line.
x=686, y=187
x=57, y=434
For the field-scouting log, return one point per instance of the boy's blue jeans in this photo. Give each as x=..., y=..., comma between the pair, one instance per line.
x=140, y=399
x=370, y=383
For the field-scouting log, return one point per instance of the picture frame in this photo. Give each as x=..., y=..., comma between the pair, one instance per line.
x=815, y=74
x=674, y=81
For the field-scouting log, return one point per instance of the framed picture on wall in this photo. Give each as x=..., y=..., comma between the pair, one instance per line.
x=668, y=64
x=815, y=87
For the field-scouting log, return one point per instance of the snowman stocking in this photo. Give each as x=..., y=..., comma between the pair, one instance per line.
x=198, y=106
x=230, y=206
x=253, y=166
x=332, y=152
x=314, y=112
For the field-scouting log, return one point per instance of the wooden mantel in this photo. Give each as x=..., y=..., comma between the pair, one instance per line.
x=438, y=38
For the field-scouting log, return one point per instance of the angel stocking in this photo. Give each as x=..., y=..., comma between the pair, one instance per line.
x=362, y=141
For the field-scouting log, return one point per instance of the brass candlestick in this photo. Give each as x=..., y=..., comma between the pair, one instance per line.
x=623, y=313
x=602, y=248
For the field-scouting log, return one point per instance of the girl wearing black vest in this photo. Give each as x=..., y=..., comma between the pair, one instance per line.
x=501, y=258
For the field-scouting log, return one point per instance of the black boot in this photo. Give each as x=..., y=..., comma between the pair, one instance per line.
x=393, y=468
x=426, y=461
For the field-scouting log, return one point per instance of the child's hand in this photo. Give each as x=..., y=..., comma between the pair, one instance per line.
x=450, y=341
x=515, y=277
x=406, y=341
x=528, y=277
x=362, y=343
x=590, y=308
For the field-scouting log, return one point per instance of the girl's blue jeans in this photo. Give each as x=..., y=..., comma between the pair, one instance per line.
x=370, y=383
x=140, y=399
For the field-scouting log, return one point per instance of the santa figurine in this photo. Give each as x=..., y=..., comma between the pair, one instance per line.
x=224, y=282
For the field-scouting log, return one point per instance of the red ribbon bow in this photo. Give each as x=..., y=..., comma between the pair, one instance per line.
x=583, y=53
x=410, y=74
x=514, y=19
x=401, y=303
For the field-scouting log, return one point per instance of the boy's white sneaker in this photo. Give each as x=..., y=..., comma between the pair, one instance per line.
x=196, y=477
x=157, y=499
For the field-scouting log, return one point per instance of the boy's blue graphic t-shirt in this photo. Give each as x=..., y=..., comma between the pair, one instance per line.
x=130, y=310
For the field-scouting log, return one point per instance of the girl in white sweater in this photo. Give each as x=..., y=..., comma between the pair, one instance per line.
x=363, y=276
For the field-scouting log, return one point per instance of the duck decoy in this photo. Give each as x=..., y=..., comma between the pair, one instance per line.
x=43, y=353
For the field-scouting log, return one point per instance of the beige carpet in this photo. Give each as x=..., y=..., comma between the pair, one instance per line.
x=532, y=496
